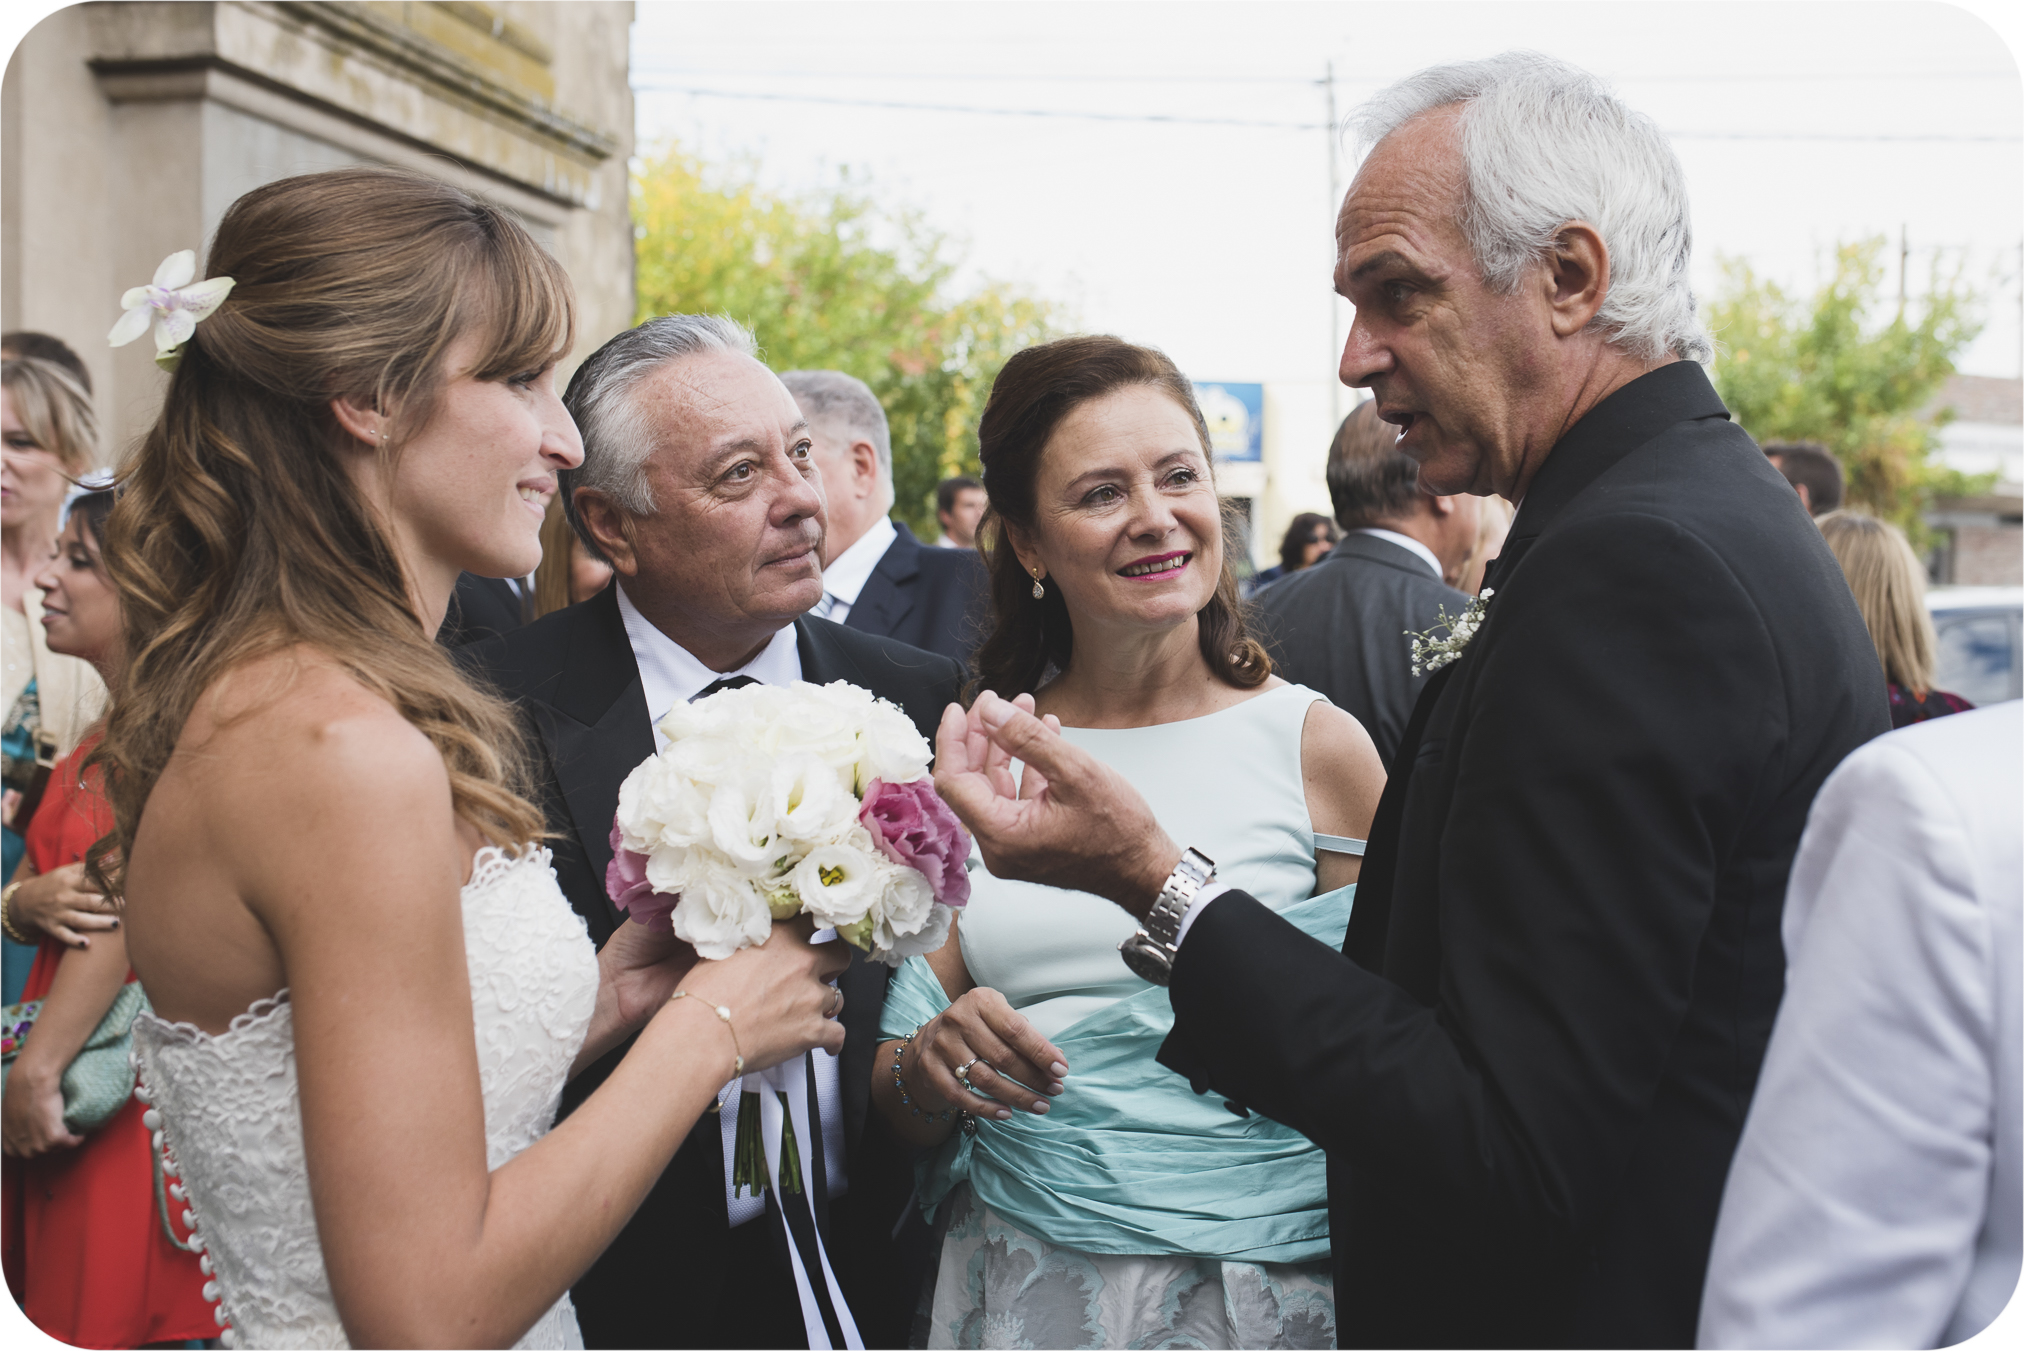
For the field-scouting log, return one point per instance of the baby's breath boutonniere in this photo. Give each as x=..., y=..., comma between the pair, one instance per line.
x=1431, y=653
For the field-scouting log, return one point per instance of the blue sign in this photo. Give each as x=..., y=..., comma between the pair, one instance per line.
x=1236, y=418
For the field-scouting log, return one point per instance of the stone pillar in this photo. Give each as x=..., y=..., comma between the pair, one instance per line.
x=130, y=127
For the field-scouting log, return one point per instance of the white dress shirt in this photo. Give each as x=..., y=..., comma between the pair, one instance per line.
x=843, y=581
x=671, y=674
x=1876, y=1195
x=1406, y=542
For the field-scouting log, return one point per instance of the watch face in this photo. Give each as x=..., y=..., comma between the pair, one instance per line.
x=1147, y=959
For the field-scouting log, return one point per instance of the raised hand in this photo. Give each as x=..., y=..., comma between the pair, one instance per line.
x=1071, y=821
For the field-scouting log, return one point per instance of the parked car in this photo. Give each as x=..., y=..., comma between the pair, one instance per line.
x=1981, y=629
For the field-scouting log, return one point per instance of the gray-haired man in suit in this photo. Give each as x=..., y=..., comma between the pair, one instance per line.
x=876, y=576
x=1340, y=626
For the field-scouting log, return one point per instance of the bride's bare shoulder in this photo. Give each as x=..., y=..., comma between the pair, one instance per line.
x=298, y=712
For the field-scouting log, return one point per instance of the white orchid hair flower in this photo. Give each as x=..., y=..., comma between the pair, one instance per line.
x=173, y=303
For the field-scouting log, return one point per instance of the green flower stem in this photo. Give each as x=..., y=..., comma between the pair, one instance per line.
x=748, y=1161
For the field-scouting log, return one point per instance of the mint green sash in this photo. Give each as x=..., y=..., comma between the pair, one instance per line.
x=1130, y=1159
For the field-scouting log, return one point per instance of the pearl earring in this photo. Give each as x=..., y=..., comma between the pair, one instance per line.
x=1039, y=591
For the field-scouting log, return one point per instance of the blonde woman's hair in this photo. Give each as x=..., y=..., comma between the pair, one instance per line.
x=551, y=578
x=53, y=407
x=238, y=532
x=1890, y=590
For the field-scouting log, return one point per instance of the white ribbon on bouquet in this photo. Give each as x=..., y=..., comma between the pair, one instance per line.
x=791, y=1079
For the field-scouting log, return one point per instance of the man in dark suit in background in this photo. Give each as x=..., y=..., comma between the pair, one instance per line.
x=1340, y=626
x=485, y=607
x=876, y=576
x=1812, y=471
x=1530, y=1063
x=698, y=488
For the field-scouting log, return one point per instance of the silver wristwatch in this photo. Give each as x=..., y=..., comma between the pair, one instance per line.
x=1150, y=952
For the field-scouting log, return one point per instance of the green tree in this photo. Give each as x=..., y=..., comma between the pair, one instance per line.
x=1832, y=369
x=834, y=280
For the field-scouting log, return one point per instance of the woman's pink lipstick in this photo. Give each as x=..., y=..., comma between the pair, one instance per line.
x=1155, y=567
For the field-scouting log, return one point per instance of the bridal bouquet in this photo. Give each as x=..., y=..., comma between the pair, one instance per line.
x=777, y=800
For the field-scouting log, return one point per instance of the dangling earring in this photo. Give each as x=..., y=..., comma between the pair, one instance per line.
x=1039, y=591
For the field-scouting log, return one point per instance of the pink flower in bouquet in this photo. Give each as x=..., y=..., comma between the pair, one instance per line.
x=914, y=828
x=625, y=881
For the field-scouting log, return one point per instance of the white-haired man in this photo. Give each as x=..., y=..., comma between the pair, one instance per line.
x=698, y=488
x=876, y=576
x=1530, y=1063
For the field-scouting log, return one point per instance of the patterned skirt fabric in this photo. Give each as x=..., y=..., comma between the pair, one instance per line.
x=997, y=1286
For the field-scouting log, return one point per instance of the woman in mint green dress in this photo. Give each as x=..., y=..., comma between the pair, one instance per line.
x=1086, y=1196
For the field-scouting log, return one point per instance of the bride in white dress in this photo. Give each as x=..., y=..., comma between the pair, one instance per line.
x=370, y=990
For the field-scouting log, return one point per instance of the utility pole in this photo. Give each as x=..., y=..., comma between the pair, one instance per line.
x=1904, y=261
x=1334, y=304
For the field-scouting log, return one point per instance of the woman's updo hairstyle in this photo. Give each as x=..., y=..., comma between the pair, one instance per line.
x=1034, y=392
x=238, y=530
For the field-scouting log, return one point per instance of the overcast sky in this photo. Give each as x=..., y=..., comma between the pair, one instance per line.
x=1799, y=125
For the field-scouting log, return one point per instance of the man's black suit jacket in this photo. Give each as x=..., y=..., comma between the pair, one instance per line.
x=1340, y=627
x=481, y=608
x=937, y=599
x=677, y=1276
x=1530, y=1063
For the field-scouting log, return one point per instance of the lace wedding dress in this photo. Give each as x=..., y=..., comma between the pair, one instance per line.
x=226, y=1109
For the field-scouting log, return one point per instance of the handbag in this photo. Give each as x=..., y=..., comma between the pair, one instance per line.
x=100, y=1079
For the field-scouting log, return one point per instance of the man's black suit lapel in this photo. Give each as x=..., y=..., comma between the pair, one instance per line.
x=1611, y=430
x=889, y=592
x=599, y=728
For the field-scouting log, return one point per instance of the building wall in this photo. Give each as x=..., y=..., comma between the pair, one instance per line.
x=129, y=128
x=1989, y=555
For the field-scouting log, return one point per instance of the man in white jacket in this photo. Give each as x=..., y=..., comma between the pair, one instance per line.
x=1876, y=1197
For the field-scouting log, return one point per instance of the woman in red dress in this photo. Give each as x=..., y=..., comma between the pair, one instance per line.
x=85, y=1251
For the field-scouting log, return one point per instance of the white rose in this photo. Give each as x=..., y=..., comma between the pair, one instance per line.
x=815, y=721
x=810, y=802
x=721, y=912
x=659, y=807
x=741, y=829
x=708, y=760
x=891, y=747
x=906, y=921
x=838, y=883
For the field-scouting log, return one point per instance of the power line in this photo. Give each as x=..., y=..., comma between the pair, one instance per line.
x=1189, y=120
x=986, y=112
x=972, y=77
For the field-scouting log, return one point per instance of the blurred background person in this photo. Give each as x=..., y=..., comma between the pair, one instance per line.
x=1890, y=590
x=1812, y=470
x=24, y=342
x=485, y=607
x=1874, y=1199
x=876, y=576
x=48, y=439
x=569, y=571
x=1493, y=523
x=959, y=506
x=1307, y=541
x=1340, y=626
x=86, y=1254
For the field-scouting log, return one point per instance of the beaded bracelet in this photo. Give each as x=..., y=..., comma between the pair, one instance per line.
x=723, y=1014
x=901, y=1084
x=7, y=924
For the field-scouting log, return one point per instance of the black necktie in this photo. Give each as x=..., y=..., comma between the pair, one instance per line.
x=737, y=682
